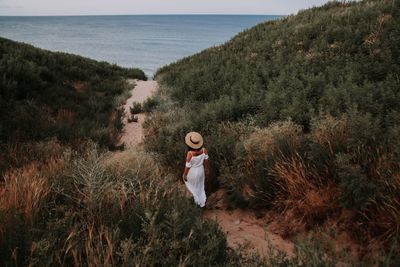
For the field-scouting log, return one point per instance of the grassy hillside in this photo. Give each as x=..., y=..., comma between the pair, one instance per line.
x=325, y=60
x=56, y=95
x=301, y=117
x=65, y=201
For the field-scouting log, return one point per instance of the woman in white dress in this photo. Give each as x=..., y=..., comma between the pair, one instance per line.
x=196, y=167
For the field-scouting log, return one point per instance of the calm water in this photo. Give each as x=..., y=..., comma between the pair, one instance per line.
x=147, y=42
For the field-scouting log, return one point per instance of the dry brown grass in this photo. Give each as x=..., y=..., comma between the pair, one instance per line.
x=263, y=141
x=25, y=189
x=330, y=131
x=382, y=218
x=302, y=195
x=64, y=115
x=98, y=246
x=294, y=177
x=17, y=155
x=138, y=164
x=142, y=163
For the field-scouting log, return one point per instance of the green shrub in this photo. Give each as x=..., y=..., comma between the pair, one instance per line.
x=135, y=73
x=136, y=108
x=357, y=191
x=150, y=104
x=118, y=125
x=16, y=239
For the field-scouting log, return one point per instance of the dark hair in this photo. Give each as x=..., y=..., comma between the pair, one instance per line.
x=192, y=149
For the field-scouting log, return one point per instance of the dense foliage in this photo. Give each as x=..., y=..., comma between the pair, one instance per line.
x=324, y=60
x=103, y=209
x=66, y=202
x=45, y=94
x=300, y=116
x=96, y=209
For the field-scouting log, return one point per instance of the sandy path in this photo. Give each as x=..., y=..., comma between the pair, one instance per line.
x=241, y=227
x=132, y=133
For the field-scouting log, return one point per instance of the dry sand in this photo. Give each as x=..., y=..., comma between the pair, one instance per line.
x=243, y=228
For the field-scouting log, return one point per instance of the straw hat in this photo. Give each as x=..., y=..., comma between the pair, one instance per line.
x=194, y=140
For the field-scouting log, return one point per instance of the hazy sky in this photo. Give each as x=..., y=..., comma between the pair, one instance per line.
x=105, y=7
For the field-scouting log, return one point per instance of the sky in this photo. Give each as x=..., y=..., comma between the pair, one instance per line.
x=128, y=7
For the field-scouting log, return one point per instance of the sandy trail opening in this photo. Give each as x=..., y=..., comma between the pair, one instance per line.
x=241, y=227
x=132, y=133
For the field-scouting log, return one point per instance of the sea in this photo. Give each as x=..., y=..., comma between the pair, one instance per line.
x=147, y=42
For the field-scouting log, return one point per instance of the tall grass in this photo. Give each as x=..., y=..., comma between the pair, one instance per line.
x=24, y=191
x=96, y=209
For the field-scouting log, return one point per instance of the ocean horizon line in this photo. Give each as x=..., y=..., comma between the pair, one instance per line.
x=121, y=15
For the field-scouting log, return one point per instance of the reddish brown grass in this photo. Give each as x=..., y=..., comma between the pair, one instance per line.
x=98, y=246
x=330, y=132
x=302, y=194
x=24, y=191
x=64, y=115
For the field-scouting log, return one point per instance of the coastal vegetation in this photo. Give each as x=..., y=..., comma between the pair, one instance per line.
x=47, y=95
x=95, y=209
x=65, y=200
x=301, y=119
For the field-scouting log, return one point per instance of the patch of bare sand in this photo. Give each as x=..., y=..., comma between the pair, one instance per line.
x=243, y=228
x=132, y=133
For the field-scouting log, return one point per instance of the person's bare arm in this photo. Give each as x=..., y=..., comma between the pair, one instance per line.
x=186, y=170
x=185, y=173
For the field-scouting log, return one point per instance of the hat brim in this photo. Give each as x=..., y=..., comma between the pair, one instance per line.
x=190, y=144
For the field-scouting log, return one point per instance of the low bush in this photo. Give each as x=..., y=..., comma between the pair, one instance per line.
x=136, y=108
x=151, y=103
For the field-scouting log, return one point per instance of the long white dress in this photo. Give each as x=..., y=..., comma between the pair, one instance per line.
x=195, y=178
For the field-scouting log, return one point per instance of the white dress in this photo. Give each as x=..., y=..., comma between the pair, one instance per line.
x=195, y=178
